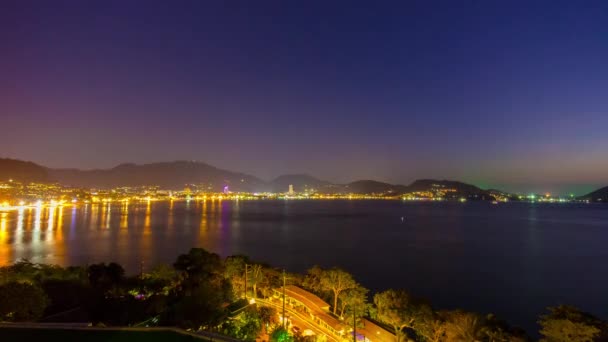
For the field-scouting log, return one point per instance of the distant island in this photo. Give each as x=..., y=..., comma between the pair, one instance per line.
x=178, y=175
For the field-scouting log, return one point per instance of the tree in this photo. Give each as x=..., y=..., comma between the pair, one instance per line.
x=466, y=326
x=21, y=271
x=353, y=300
x=199, y=267
x=558, y=330
x=567, y=323
x=47, y=272
x=203, y=306
x=336, y=281
x=268, y=316
x=272, y=279
x=463, y=326
x=115, y=272
x=21, y=302
x=257, y=276
x=433, y=331
x=161, y=279
x=497, y=330
x=234, y=269
x=104, y=276
x=312, y=280
x=199, y=262
x=24, y=271
x=65, y=295
x=398, y=309
x=246, y=326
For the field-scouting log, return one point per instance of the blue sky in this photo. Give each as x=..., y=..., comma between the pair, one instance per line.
x=498, y=93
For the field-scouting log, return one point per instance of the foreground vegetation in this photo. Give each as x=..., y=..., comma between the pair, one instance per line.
x=203, y=291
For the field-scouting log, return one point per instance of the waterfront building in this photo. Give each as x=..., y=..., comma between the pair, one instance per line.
x=314, y=309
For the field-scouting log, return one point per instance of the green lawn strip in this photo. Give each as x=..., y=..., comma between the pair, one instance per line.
x=65, y=335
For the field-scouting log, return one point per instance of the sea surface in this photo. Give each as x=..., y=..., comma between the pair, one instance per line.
x=511, y=259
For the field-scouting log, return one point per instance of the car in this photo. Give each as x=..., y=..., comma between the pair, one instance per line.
x=296, y=329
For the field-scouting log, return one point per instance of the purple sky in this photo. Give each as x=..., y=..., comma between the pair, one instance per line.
x=510, y=94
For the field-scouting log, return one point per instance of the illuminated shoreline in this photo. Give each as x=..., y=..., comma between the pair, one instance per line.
x=5, y=207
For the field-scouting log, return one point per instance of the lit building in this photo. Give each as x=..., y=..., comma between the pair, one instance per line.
x=313, y=308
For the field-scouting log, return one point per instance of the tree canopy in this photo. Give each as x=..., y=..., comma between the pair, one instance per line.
x=567, y=323
x=198, y=292
x=333, y=281
x=21, y=302
x=398, y=309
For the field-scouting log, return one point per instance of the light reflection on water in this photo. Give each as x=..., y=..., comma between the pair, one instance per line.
x=37, y=226
x=4, y=252
x=124, y=216
x=19, y=230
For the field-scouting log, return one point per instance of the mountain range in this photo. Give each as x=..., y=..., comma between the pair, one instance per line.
x=167, y=175
x=179, y=174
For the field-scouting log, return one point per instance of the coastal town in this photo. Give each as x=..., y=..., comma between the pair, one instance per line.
x=15, y=195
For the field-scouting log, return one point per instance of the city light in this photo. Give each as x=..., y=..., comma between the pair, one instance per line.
x=14, y=195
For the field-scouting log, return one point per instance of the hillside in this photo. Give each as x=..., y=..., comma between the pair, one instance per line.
x=178, y=174
x=169, y=175
x=374, y=187
x=22, y=171
x=451, y=189
x=599, y=195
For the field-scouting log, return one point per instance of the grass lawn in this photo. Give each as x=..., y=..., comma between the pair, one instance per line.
x=18, y=334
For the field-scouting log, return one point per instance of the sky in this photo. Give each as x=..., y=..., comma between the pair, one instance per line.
x=510, y=94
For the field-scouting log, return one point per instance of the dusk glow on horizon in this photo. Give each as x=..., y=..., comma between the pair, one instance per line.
x=510, y=95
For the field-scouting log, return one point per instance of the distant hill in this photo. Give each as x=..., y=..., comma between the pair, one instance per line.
x=374, y=187
x=169, y=175
x=423, y=184
x=452, y=189
x=599, y=195
x=22, y=171
x=178, y=174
